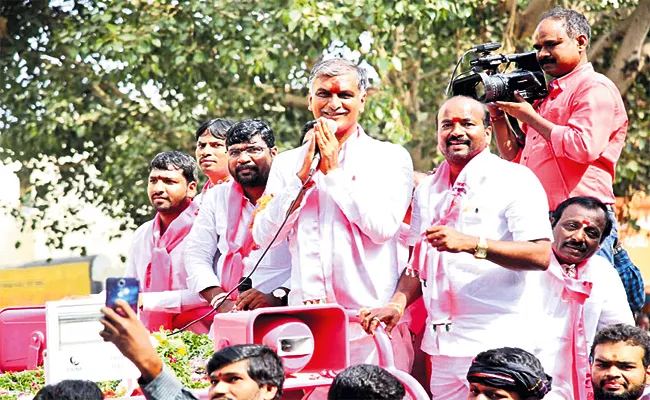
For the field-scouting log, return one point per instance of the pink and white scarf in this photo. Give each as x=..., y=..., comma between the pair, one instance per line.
x=444, y=208
x=574, y=352
x=159, y=273
x=233, y=264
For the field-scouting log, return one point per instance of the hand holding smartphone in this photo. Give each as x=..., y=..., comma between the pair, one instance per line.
x=126, y=289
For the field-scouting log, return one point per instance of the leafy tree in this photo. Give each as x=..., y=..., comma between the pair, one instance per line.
x=98, y=88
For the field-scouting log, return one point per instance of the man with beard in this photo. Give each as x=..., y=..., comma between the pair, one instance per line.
x=351, y=199
x=581, y=292
x=223, y=226
x=479, y=243
x=620, y=363
x=575, y=135
x=211, y=152
x=156, y=256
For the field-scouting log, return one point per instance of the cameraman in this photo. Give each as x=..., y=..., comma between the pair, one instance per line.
x=575, y=135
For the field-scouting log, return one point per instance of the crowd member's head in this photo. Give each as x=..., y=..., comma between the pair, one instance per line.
x=70, y=389
x=507, y=373
x=463, y=129
x=643, y=322
x=580, y=224
x=172, y=182
x=306, y=132
x=366, y=382
x=243, y=372
x=337, y=91
x=620, y=362
x=211, y=148
x=561, y=40
x=251, y=148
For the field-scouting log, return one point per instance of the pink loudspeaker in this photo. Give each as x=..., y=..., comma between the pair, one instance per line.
x=22, y=338
x=311, y=340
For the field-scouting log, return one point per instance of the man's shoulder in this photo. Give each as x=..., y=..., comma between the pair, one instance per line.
x=142, y=229
x=592, y=80
x=600, y=268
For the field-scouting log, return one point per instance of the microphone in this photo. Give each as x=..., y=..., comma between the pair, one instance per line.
x=245, y=284
x=314, y=162
x=486, y=47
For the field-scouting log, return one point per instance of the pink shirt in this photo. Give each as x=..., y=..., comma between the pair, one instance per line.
x=591, y=124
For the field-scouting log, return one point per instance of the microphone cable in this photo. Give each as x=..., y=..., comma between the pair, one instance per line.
x=312, y=170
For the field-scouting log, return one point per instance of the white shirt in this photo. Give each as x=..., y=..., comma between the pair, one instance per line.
x=490, y=304
x=179, y=297
x=607, y=304
x=208, y=235
x=343, y=236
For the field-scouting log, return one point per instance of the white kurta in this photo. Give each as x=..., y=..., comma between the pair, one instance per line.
x=343, y=236
x=179, y=297
x=607, y=304
x=491, y=306
x=208, y=236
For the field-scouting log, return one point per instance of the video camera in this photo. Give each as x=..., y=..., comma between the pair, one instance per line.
x=485, y=84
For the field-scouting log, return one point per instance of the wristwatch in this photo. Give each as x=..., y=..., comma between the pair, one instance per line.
x=282, y=294
x=481, y=248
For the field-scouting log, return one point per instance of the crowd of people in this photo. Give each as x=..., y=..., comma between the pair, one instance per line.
x=497, y=274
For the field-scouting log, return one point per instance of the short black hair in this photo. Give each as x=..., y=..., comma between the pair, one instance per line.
x=590, y=203
x=513, y=369
x=629, y=334
x=264, y=365
x=366, y=381
x=306, y=128
x=486, y=111
x=217, y=127
x=574, y=23
x=177, y=160
x=243, y=132
x=70, y=389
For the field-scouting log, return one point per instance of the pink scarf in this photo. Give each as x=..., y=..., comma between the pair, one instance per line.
x=233, y=264
x=445, y=212
x=444, y=208
x=162, y=279
x=573, y=351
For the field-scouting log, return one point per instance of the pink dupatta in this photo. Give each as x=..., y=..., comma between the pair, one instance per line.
x=573, y=355
x=233, y=264
x=159, y=273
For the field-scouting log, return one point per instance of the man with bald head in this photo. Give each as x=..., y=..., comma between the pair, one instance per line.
x=480, y=232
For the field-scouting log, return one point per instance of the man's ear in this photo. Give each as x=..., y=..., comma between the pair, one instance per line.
x=191, y=189
x=363, y=102
x=274, y=151
x=309, y=102
x=268, y=392
x=583, y=42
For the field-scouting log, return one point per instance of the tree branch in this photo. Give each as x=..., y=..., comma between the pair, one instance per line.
x=605, y=40
x=529, y=18
x=629, y=59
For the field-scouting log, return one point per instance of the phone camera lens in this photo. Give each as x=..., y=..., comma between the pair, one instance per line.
x=120, y=282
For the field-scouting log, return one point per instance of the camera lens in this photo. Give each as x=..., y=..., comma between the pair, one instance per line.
x=120, y=282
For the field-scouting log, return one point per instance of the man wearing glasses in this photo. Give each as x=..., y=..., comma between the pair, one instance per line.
x=223, y=226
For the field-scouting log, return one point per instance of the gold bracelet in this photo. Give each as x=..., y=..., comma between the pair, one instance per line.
x=398, y=307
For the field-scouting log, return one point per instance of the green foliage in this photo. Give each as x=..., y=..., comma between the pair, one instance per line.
x=186, y=354
x=99, y=88
x=14, y=383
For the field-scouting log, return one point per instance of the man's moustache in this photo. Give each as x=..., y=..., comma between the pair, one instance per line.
x=249, y=167
x=546, y=60
x=457, y=139
x=577, y=245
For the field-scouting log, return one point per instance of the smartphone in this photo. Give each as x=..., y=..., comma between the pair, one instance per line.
x=126, y=289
